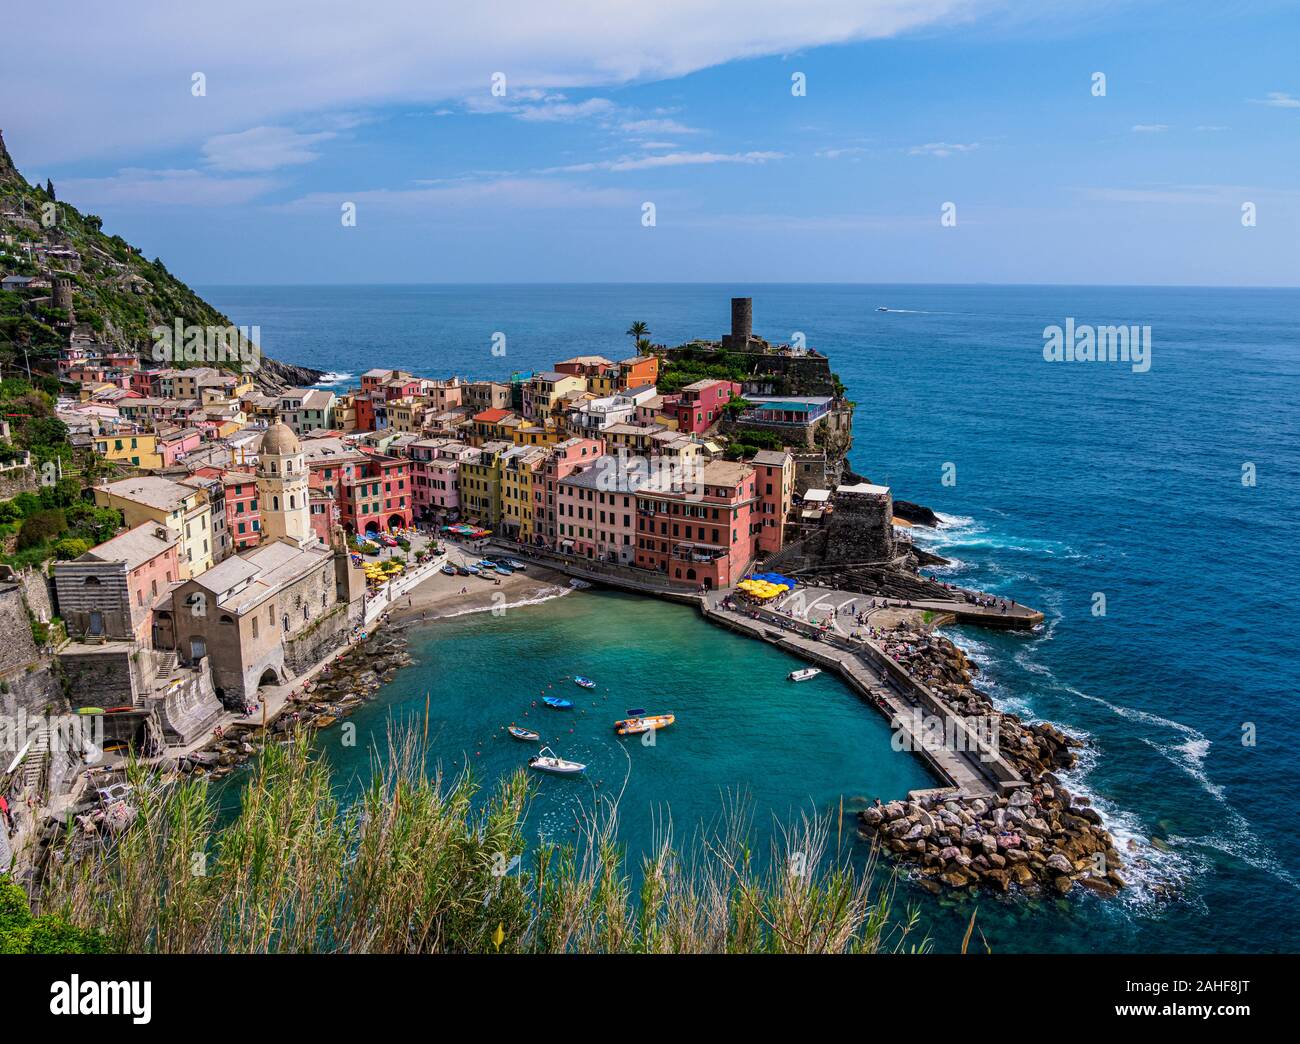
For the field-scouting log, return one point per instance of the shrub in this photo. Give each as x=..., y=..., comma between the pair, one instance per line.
x=40, y=526
x=71, y=547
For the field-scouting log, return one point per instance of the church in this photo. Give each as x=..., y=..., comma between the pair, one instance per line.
x=264, y=616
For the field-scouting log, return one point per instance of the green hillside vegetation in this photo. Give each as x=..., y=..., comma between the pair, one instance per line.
x=118, y=293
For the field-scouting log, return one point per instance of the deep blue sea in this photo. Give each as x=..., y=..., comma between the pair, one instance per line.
x=1072, y=481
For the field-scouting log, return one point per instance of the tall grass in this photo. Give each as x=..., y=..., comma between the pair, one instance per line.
x=415, y=864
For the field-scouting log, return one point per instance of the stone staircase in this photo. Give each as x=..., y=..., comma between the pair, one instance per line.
x=37, y=758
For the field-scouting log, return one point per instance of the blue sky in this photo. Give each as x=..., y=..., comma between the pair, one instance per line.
x=909, y=105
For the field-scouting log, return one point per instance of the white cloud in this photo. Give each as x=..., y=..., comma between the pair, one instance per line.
x=941, y=149
x=1149, y=128
x=670, y=159
x=270, y=64
x=134, y=186
x=453, y=196
x=262, y=149
x=840, y=153
x=1278, y=100
x=657, y=127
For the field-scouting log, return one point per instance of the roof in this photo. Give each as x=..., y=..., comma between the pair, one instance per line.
x=134, y=547
x=772, y=458
x=606, y=474
x=279, y=440
x=152, y=491
x=586, y=360
x=817, y=496
x=243, y=581
x=492, y=416
x=865, y=488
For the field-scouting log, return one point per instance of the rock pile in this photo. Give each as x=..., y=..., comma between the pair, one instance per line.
x=1037, y=836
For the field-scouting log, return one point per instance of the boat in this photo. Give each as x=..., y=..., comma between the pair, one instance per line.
x=519, y=733
x=805, y=674
x=585, y=683
x=90, y=710
x=579, y=585
x=514, y=563
x=502, y=570
x=449, y=570
x=473, y=570
x=543, y=761
x=881, y=308
x=648, y=723
x=462, y=571
x=557, y=702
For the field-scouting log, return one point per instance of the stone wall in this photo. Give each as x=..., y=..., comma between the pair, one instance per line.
x=326, y=634
x=15, y=480
x=101, y=675
x=18, y=649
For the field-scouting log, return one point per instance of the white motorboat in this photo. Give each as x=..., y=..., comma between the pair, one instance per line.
x=579, y=585
x=546, y=760
x=804, y=674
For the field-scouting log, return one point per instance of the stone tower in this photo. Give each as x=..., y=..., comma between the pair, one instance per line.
x=63, y=298
x=742, y=323
x=282, y=492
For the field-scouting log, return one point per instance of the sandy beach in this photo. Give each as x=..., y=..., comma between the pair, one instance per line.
x=443, y=596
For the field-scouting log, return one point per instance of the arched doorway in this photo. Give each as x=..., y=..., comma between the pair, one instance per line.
x=372, y=528
x=396, y=522
x=269, y=677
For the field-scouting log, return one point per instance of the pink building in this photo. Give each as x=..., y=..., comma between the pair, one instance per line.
x=565, y=457
x=702, y=535
x=774, y=475
x=596, y=512
x=175, y=443
x=700, y=405
x=435, y=476
x=243, y=518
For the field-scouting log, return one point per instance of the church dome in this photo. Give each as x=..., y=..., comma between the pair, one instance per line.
x=280, y=440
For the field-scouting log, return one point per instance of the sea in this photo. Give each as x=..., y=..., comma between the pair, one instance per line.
x=1148, y=509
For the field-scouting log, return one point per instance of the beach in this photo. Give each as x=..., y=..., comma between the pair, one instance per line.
x=443, y=596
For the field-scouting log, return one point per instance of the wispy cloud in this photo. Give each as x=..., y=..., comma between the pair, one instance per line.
x=1278, y=100
x=941, y=149
x=1149, y=128
x=669, y=159
x=262, y=149
x=134, y=186
x=840, y=153
x=657, y=126
x=503, y=193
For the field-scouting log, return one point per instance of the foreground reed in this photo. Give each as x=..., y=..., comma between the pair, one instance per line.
x=415, y=865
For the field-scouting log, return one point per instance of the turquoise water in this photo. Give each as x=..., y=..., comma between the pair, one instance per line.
x=743, y=732
x=1071, y=480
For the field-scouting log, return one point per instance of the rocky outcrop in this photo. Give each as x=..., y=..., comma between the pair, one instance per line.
x=1036, y=837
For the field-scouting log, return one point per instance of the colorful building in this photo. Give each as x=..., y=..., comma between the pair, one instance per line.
x=701, y=534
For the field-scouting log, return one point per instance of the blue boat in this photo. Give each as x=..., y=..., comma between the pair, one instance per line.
x=472, y=570
x=557, y=702
x=503, y=571
x=586, y=683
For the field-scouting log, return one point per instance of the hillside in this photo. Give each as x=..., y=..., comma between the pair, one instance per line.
x=118, y=295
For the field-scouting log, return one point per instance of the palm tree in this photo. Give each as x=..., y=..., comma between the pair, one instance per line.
x=640, y=334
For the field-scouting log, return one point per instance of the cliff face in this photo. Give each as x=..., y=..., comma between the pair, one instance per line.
x=118, y=296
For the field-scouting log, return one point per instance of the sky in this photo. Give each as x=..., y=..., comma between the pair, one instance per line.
x=934, y=141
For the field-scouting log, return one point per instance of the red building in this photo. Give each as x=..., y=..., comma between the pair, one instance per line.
x=774, y=474
x=700, y=404
x=376, y=496
x=243, y=518
x=704, y=534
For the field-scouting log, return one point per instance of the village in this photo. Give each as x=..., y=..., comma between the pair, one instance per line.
x=268, y=534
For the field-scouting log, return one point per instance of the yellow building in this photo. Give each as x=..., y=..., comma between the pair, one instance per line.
x=184, y=510
x=407, y=415
x=547, y=434
x=518, y=468
x=544, y=390
x=480, y=484
x=139, y=451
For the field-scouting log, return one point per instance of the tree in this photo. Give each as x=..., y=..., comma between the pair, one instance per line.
x=640, y=334
x=49, y=189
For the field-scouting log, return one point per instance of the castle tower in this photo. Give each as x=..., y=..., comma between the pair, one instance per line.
x=742, y=318
x=63, y=298
x=282, y=493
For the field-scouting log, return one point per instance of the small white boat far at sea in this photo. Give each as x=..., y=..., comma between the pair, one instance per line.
x=547, y=761
x=804, y=674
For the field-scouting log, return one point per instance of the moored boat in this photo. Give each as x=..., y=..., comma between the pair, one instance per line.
x=557, y=702
x=525, y=735
x=585, y=683
x=579, y=585
x=546, y=760
x=648, y=723
x=804, y=674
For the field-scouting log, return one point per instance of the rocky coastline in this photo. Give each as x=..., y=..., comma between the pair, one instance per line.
x=1037, y=838
x=349, y=682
